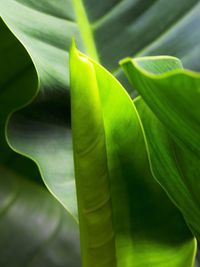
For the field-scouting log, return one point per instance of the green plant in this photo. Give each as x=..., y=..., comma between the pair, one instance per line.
x=34, y=82
x=120, y=146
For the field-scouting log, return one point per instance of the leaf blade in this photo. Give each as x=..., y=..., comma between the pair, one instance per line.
x=46, y=29
x=171, y=119
x=47, y=234
x=135, y=196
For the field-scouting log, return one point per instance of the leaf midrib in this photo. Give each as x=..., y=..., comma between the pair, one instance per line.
x=85, y=29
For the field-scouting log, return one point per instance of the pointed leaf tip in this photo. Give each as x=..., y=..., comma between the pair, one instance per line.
x=73, y=48
x=75, y=53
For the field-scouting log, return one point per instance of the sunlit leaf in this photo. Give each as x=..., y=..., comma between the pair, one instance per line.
x=125, y=217
x=172, y=128
x=107, y=31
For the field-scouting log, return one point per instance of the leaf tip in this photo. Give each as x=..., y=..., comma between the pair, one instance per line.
x=124, y=63
x=73, y=46
x=125, y=60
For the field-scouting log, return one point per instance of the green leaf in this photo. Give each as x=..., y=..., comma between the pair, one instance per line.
x=125, y=217
x=100, y=29
x=174, y=97
x=35, y=230
x=11, y=83
x=38, y=137
x=172, y=129
x=106, y=30
x=13, y=80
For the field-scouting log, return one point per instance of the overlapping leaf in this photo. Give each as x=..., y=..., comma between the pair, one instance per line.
x=35, y=230
x=11, y=83
x=108, y=31
x=18, y=85
x=45, y=28
x=125, y=217
x=172, y=128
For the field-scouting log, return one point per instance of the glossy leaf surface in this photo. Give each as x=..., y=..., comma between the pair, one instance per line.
x=171, y=128
x=107, y=31
x=45, y=28
x=125, y=217
x=35, y=230
x=38, y=136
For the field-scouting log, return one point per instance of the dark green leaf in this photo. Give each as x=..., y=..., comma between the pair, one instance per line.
x=106, y=30
x=35, y=230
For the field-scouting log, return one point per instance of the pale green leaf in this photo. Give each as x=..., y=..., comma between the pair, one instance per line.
x=172, y=128
x=126, y=219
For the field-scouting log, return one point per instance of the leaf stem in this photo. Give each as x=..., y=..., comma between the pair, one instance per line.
x=85, y=29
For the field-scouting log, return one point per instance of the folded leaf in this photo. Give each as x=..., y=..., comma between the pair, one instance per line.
x=126, y=219
x=35, y=230
x=107, y=31
x=12, y=80
x=173, y=96
x=172, y=128
x=39, y=137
